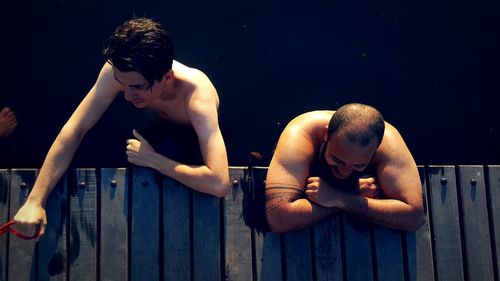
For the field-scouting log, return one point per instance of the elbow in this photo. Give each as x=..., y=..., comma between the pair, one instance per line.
x=279, y=221
x=220, y=187
x=275, y=225
x=416, y=219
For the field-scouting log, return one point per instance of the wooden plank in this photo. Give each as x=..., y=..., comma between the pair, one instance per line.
x=83, y=226
x=145, y=228
x=445, y=223
x=357, y=248
x=177, y=230
x=475, y=223
x=418, y=244
x=237, y=235
x=328, y=255
x=114, y=225
x=4, y=215
x=52, y=249
x=267, y=244
x=206, y=237
x=22, y=254
x=298, y=255
x=494, y=198
x=389, y=255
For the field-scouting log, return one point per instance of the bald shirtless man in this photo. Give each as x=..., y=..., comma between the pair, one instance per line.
x=139, y=64
x=319, y=150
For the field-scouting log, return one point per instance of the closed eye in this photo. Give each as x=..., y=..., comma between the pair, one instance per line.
x=338, y=161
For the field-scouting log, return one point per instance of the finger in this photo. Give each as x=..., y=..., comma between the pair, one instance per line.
x=131, y=153
x=313, y=185
x=4, y=111
x=313, y=179
x=366, y=180
x=42, y=230
x=131, y=160
x=137, y=135
x=132, y=141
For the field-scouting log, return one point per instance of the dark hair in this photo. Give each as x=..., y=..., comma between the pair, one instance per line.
x=141, y=45
x=361, y=123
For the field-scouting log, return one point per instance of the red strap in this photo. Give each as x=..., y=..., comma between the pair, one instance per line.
x=6, y=228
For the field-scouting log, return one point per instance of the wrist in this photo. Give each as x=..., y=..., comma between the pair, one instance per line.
x=153, y=160
x=160, y=163
x=35, y=201
x=342, y=201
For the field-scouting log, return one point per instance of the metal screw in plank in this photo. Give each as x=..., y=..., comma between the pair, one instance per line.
x=444, y=180
x=23, y=185
x=113, y=183
x=236, y=183
x=81, y=184
x=473, y=181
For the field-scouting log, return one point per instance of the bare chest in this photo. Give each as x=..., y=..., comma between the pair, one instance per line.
x=174, y=111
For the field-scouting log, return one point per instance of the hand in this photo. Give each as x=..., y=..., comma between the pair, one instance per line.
x=139, y=150
x=28, y=217
x=368, y=187
x=8, y=122
x=323, y=194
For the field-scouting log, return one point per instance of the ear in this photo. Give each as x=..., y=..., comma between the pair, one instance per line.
x=325, y=134
x=169, y=74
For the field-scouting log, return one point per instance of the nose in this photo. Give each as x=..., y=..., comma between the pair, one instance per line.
x=129, y=94
x=345, y=172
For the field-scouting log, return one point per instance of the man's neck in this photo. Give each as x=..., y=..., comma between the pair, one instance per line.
x=170, y=92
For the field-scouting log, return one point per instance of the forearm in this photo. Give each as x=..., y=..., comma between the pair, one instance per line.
x=389, y=213
x=286, y=211
x=54, y=166
x=198, y=177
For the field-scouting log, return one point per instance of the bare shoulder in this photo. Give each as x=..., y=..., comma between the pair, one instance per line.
x=396, y=169
x=297, y=148
x=309, y=124
x=199, y=87
x=106, y=82
x=393, y=147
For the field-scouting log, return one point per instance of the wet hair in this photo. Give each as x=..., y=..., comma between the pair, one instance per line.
x=360, y=123
x=141, y=45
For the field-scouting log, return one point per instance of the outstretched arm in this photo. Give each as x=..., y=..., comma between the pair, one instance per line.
x=66, y=143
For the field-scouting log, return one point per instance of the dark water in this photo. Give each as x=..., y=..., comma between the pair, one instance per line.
x=432, y=69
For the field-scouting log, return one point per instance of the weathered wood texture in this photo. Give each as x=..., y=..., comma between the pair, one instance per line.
x=119, y=224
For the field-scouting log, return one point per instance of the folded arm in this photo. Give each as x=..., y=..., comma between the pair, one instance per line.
x=213, y=176
x=401, y=206
x=287, y=207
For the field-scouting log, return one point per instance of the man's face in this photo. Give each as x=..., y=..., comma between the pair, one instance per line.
x=345, y=157
x=136, y=88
